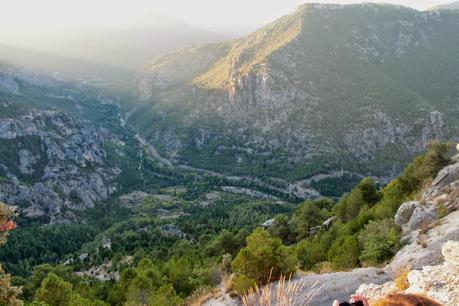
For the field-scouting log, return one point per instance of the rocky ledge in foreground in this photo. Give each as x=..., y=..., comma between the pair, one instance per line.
x=440, y=282
x=430, y=227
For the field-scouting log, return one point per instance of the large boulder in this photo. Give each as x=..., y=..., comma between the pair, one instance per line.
x=446, y=176
x=425, y=247
x=405, y=212
x=422, y=216
x=413, y=216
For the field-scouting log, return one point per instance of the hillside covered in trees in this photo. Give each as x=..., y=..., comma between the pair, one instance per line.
x=314, y=147
x=145, y=260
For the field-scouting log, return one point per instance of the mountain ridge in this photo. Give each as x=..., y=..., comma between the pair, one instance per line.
x=319, y=91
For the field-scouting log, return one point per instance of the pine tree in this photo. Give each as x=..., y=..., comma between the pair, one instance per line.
x=54, y=291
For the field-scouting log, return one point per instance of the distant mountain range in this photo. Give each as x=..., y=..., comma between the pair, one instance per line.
x=111, y=48
x=360, y=88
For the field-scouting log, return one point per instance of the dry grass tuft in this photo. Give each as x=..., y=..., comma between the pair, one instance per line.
x=323, y=267
x=441, y=209
x=200, y=296
x=226, y=281
x=401, y=282
x=452, y=196
x=284, y=293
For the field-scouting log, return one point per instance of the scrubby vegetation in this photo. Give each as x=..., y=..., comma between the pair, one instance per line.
x=166, y=256
x=363, y=232
x=264, y=259
x=172, y=245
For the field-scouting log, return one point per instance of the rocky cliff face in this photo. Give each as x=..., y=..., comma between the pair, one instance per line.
x=429, y=222
x=326, y=87
x=52, y=164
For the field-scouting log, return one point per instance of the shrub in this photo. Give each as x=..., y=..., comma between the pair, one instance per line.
x=225, y=266
x=344, y=253
x=309, y=252
x=8, y=293
x=283, y=229
x=242, y=283
x=77, y=300
x=379, y=241
x=307, y=216
x=54, y=291
x=364, y=194
x=225, y=243
x=180, y=273
x=165, y=296
x=323, y=267
x=442, y=210
x=227, y=285
x=264, y=259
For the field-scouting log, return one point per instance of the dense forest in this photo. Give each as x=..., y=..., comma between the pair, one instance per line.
x=137, y=256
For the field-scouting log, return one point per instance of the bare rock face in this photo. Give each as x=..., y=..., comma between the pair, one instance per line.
x=339, y=285
x=322, y=289
x=450, y=252
x=439, y=282
x=26, y=161
x=446, y=176
x=429, y=222
x=54, y=165
x=376, y=292
x=425, y=248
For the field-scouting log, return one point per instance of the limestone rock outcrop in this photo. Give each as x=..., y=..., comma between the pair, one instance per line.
x=440, y=282
x=53, y=164
x=429, y=222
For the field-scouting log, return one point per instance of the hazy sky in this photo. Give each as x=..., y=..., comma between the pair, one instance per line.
x=230, y=16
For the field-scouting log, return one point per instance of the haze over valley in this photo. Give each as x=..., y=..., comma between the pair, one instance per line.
x=176, y=153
